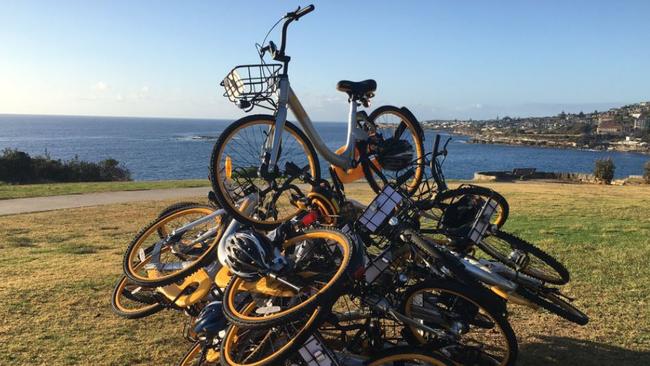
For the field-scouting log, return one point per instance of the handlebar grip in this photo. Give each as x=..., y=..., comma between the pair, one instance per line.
x=435, y=145
x=444, y=148
x=304, y=11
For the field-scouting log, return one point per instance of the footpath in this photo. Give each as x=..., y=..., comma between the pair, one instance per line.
x=38, y=204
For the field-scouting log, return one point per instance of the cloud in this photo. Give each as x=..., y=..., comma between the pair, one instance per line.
x=100, y=86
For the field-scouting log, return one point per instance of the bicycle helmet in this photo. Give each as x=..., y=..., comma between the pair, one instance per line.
x=210, y=320
x=248, y=254
x=462, y=213
x=394, y=154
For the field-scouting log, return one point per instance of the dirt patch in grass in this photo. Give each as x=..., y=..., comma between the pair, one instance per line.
x=20, y=241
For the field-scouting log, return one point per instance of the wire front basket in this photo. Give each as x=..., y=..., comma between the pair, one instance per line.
x=251, y=83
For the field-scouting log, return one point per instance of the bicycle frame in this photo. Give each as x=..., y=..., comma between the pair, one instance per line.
x=289, y=99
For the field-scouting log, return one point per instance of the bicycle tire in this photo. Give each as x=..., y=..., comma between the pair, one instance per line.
x=218, y=187
x=502, y=203
x=327, y=293
x=555, y=304
x=193, y=356
x=403, y=354
x=172, y=208
x=472, y=295
x=517, y=243
x=311, y=322
x=208, y=256
x=451, y=262
x=151, y=304
x=418, y=138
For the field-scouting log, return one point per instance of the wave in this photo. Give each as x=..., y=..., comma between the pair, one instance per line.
x=197, y=138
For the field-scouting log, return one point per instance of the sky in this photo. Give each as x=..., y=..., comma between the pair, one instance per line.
x=443, y=59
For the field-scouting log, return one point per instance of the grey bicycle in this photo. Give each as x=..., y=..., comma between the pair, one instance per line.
x=268, y=156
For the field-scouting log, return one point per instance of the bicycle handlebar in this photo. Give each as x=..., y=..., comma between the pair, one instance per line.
x=290, y=17
x=302, y=12
x=436, y=145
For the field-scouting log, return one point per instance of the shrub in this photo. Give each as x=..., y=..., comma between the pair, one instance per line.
x=18, y=167
x=604, y=170
x=646, y=172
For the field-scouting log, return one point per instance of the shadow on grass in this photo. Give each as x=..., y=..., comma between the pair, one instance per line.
x=550, y=351
x=20, y=242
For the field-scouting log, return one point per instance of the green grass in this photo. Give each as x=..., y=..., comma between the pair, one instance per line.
x=8, y=191
x=58, y=270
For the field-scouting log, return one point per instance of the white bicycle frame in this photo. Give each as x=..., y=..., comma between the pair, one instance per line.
x=289, y=99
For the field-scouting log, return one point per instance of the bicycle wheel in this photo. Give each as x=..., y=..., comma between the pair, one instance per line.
x=175, y=256
x=201, y=355
x=236, y=158
x=484, y=336
x=396, y=144
x=478, y=195
x=162, y=232
x=134, y=302
x=524, y=257
x=321, y=258
x=266, y=346
x=407, y=356
x=550, y=300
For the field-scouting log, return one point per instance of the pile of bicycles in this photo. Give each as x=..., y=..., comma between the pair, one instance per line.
x=281, y=268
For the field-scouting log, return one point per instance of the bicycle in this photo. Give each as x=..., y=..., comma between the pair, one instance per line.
x=265, y=154
x=445, y=198
x=520, y=271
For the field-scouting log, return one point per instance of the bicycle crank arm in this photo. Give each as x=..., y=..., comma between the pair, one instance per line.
x=484, y=274
x=285, y=282
x=200, y=221
x=414, y=323
x=203, y=236
x=382, y=305
x=175, y=266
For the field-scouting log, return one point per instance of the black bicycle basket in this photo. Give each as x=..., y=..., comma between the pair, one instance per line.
x=251, y=83
x=391, y=202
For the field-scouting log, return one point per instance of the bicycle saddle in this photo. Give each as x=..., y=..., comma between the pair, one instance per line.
x=357, y=89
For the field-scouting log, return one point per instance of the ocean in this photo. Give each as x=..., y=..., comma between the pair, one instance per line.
x=176, y=148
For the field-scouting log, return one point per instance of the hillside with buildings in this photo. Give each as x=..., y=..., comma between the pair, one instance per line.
x=625, y=128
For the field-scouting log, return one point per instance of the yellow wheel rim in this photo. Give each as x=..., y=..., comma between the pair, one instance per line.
x=332, y=235
x=419, y=149
x=121, y=286
x=231, y=338
x=408, y=311
x=212, y=356
x=228, y=161
x=133, y=269
x=407, y=357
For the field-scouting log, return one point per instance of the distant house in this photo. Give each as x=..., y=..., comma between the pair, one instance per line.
x=642, y=122
x=610, y=127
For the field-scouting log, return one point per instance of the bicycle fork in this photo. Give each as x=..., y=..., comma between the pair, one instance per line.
x=271, y=148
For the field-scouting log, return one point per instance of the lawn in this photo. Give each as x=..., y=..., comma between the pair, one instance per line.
x=8, y=191
x=58, y=269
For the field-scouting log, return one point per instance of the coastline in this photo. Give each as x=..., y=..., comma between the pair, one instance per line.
x=515, y=142
x=473, y=138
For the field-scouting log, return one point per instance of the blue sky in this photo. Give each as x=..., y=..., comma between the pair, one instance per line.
x=445, y=59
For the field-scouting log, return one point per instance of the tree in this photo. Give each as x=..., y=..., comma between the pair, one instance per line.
x=15, y=166
x=604, y=170
x=646, y=172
